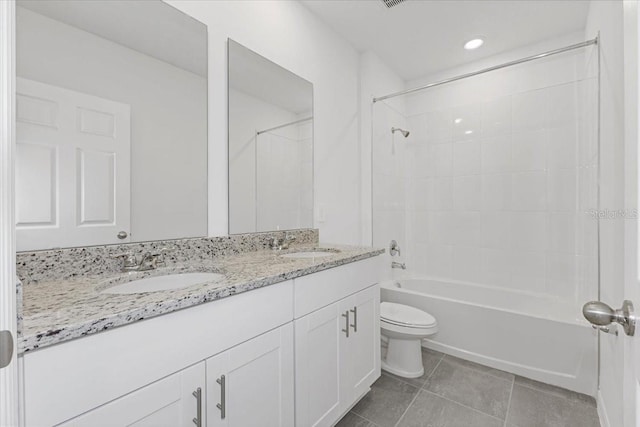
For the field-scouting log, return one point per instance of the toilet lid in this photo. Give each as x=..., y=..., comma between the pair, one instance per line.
x=400, y=314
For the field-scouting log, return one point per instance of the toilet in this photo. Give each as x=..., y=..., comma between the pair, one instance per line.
x=405, y=327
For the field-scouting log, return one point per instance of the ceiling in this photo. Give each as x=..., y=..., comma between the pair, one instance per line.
x=150, y=27
x=420, y=37
x=276, y=84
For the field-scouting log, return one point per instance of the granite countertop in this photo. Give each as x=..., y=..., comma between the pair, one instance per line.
x=59, y=310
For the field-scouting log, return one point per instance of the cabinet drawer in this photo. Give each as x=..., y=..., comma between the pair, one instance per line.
x=326, y=287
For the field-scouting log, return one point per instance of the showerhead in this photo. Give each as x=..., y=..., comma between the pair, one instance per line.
x=404, y=133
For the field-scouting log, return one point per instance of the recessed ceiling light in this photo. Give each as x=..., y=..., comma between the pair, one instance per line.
x=474, y=43
x=468, y=132
x=458, y=120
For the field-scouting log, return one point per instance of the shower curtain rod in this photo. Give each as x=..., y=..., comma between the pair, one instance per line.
x=486, y=70
x=284, y=125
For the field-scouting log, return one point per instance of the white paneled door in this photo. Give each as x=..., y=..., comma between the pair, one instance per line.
x=72, y=168
x=631, y=368
x=8, y=359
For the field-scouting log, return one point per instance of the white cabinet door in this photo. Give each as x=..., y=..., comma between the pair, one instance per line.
x=319, y=348
x=252, y=384
x=168, y=402
x=361, y=366
x=72, y=168
x=337, y=357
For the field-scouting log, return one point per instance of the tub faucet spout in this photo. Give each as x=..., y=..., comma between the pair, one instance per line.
x=401, y=265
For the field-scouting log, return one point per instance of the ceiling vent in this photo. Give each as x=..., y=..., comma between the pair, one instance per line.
x=392, y=3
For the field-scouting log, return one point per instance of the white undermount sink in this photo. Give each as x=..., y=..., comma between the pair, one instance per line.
x=309, y=254
x=163, y=283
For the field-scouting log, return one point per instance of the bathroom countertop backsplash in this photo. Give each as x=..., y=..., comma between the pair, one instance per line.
x=60, y=289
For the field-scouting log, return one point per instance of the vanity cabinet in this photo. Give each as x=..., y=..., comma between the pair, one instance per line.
x=300, y=352
x=252, y=383
x=62, y=382
x=174, y=401
x=337, y=347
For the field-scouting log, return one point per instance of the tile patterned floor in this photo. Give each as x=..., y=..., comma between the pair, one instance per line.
x=457, y=393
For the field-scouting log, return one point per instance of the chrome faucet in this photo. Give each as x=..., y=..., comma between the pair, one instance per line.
x=149, y=261
x=394, y=248
x=398, y=265
x=288, y=239
x=278, y=244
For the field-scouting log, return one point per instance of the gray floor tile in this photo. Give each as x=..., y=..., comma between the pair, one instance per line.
x=481, y=368
x=556, y=391
x=353, y=420
x=434, y=411
x=534, y=408
x=386, y=402
x=430, y=359
x=474, y=387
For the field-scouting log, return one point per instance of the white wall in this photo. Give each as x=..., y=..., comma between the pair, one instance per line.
x=166, y=142
x=379, y=182
x=288, y=34
x=607, y=18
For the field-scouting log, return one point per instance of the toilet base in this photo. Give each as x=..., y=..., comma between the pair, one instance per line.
x=404, y=358
x=400, y=372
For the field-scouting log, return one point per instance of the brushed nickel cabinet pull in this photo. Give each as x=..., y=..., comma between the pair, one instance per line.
x=346, y=316
x=223, y=398
x=355, y=318
x=198, y=395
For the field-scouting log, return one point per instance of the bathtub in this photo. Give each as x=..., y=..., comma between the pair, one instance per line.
x=536, y=337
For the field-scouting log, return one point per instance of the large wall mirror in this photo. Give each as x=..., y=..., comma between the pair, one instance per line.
x=111, y=123
x=270, y=145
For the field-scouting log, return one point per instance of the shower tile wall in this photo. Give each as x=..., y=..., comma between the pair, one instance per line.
x=501, y=179
x=389, y=176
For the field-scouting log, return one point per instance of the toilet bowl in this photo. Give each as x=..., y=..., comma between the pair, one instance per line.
x=405, y=327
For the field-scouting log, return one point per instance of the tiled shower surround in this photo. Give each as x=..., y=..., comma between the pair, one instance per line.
x=497, y=183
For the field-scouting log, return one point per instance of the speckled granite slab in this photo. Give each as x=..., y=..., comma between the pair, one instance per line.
x=67, y=263
x=69, y=306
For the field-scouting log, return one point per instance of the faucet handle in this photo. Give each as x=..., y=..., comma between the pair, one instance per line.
x=121, y=255
x=394, y=248
x=275, y=244
x=129, y=259
x=286, y=241
x=159, y=255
